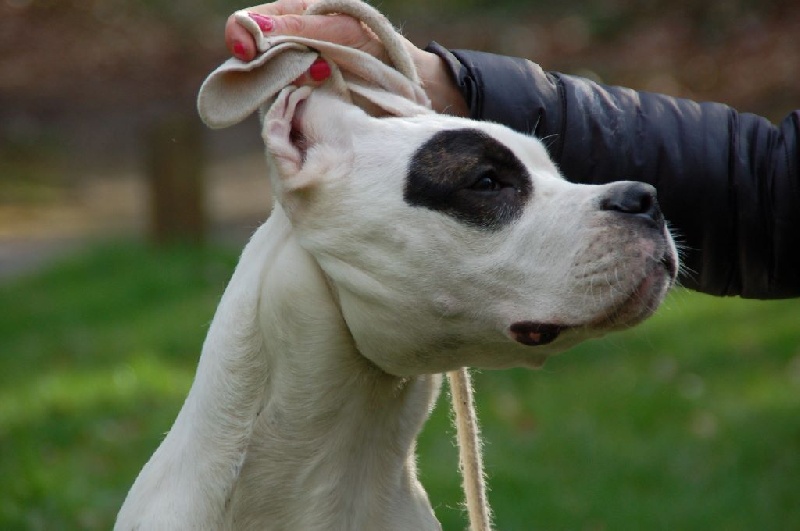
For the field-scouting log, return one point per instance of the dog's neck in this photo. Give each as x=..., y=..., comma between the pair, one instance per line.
x=333, y=445
x=312, y=435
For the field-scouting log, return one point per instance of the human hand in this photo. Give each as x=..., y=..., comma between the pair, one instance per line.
x=285, y=17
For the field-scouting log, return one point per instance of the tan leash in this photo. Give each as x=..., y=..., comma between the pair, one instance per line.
x=469, y=450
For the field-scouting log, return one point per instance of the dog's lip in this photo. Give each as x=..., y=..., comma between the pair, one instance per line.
x=633, y=309
x=535, y=334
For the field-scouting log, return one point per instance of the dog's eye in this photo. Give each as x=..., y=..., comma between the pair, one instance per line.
x=487, y=182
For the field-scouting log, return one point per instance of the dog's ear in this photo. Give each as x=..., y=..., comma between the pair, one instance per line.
x=285, y=146
x=308, y=133
x=235, y=90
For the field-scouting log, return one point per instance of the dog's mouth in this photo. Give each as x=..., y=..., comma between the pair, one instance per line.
x=636, y=307
x=535, y=334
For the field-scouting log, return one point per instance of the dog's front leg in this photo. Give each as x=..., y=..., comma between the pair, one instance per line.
x=188, y=481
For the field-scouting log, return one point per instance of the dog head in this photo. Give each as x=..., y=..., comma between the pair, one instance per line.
x=451, y=243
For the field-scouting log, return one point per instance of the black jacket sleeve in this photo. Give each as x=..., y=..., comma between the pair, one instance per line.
x=728, y=182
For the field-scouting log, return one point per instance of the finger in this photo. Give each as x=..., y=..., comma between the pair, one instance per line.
x=317, y=73
x=281, y=7
x=338, y=29
x=239, y=41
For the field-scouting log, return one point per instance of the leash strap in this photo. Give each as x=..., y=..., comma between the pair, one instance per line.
x=469, y=450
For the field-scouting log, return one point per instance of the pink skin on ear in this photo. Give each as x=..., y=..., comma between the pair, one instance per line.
x=279, y=124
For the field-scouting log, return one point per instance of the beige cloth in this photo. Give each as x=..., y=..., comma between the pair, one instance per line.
x=237, y=89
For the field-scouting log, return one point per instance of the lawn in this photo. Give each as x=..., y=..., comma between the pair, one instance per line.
x=691, y=421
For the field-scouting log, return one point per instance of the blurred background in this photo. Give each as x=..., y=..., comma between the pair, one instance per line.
x=121, y=217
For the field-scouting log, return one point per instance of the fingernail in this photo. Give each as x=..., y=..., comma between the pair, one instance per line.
x=265, y=24
x=239, y=50
x=319, y=70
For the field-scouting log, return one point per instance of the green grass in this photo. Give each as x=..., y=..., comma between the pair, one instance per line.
x=691, y=421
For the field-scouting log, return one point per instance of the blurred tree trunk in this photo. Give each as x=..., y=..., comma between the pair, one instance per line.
x=176, y=162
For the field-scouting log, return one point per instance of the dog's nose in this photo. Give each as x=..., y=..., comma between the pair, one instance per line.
x=637, y=199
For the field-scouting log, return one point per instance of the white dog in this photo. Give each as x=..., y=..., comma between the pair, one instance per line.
x=400, y=248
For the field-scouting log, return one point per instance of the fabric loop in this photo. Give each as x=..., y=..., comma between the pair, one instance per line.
x=237, y=89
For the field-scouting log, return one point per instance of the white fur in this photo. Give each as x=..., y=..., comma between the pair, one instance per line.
x=322, y=362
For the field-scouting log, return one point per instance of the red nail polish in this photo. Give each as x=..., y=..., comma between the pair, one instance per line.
x=238, y=49
x=319, y=70
x=265, y=24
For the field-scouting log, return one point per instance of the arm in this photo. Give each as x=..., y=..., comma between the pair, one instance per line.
x=728, y=182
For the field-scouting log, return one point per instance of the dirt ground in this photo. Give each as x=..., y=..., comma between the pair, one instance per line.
x=81, y=83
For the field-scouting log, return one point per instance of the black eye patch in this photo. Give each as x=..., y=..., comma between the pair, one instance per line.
x=469, y=176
